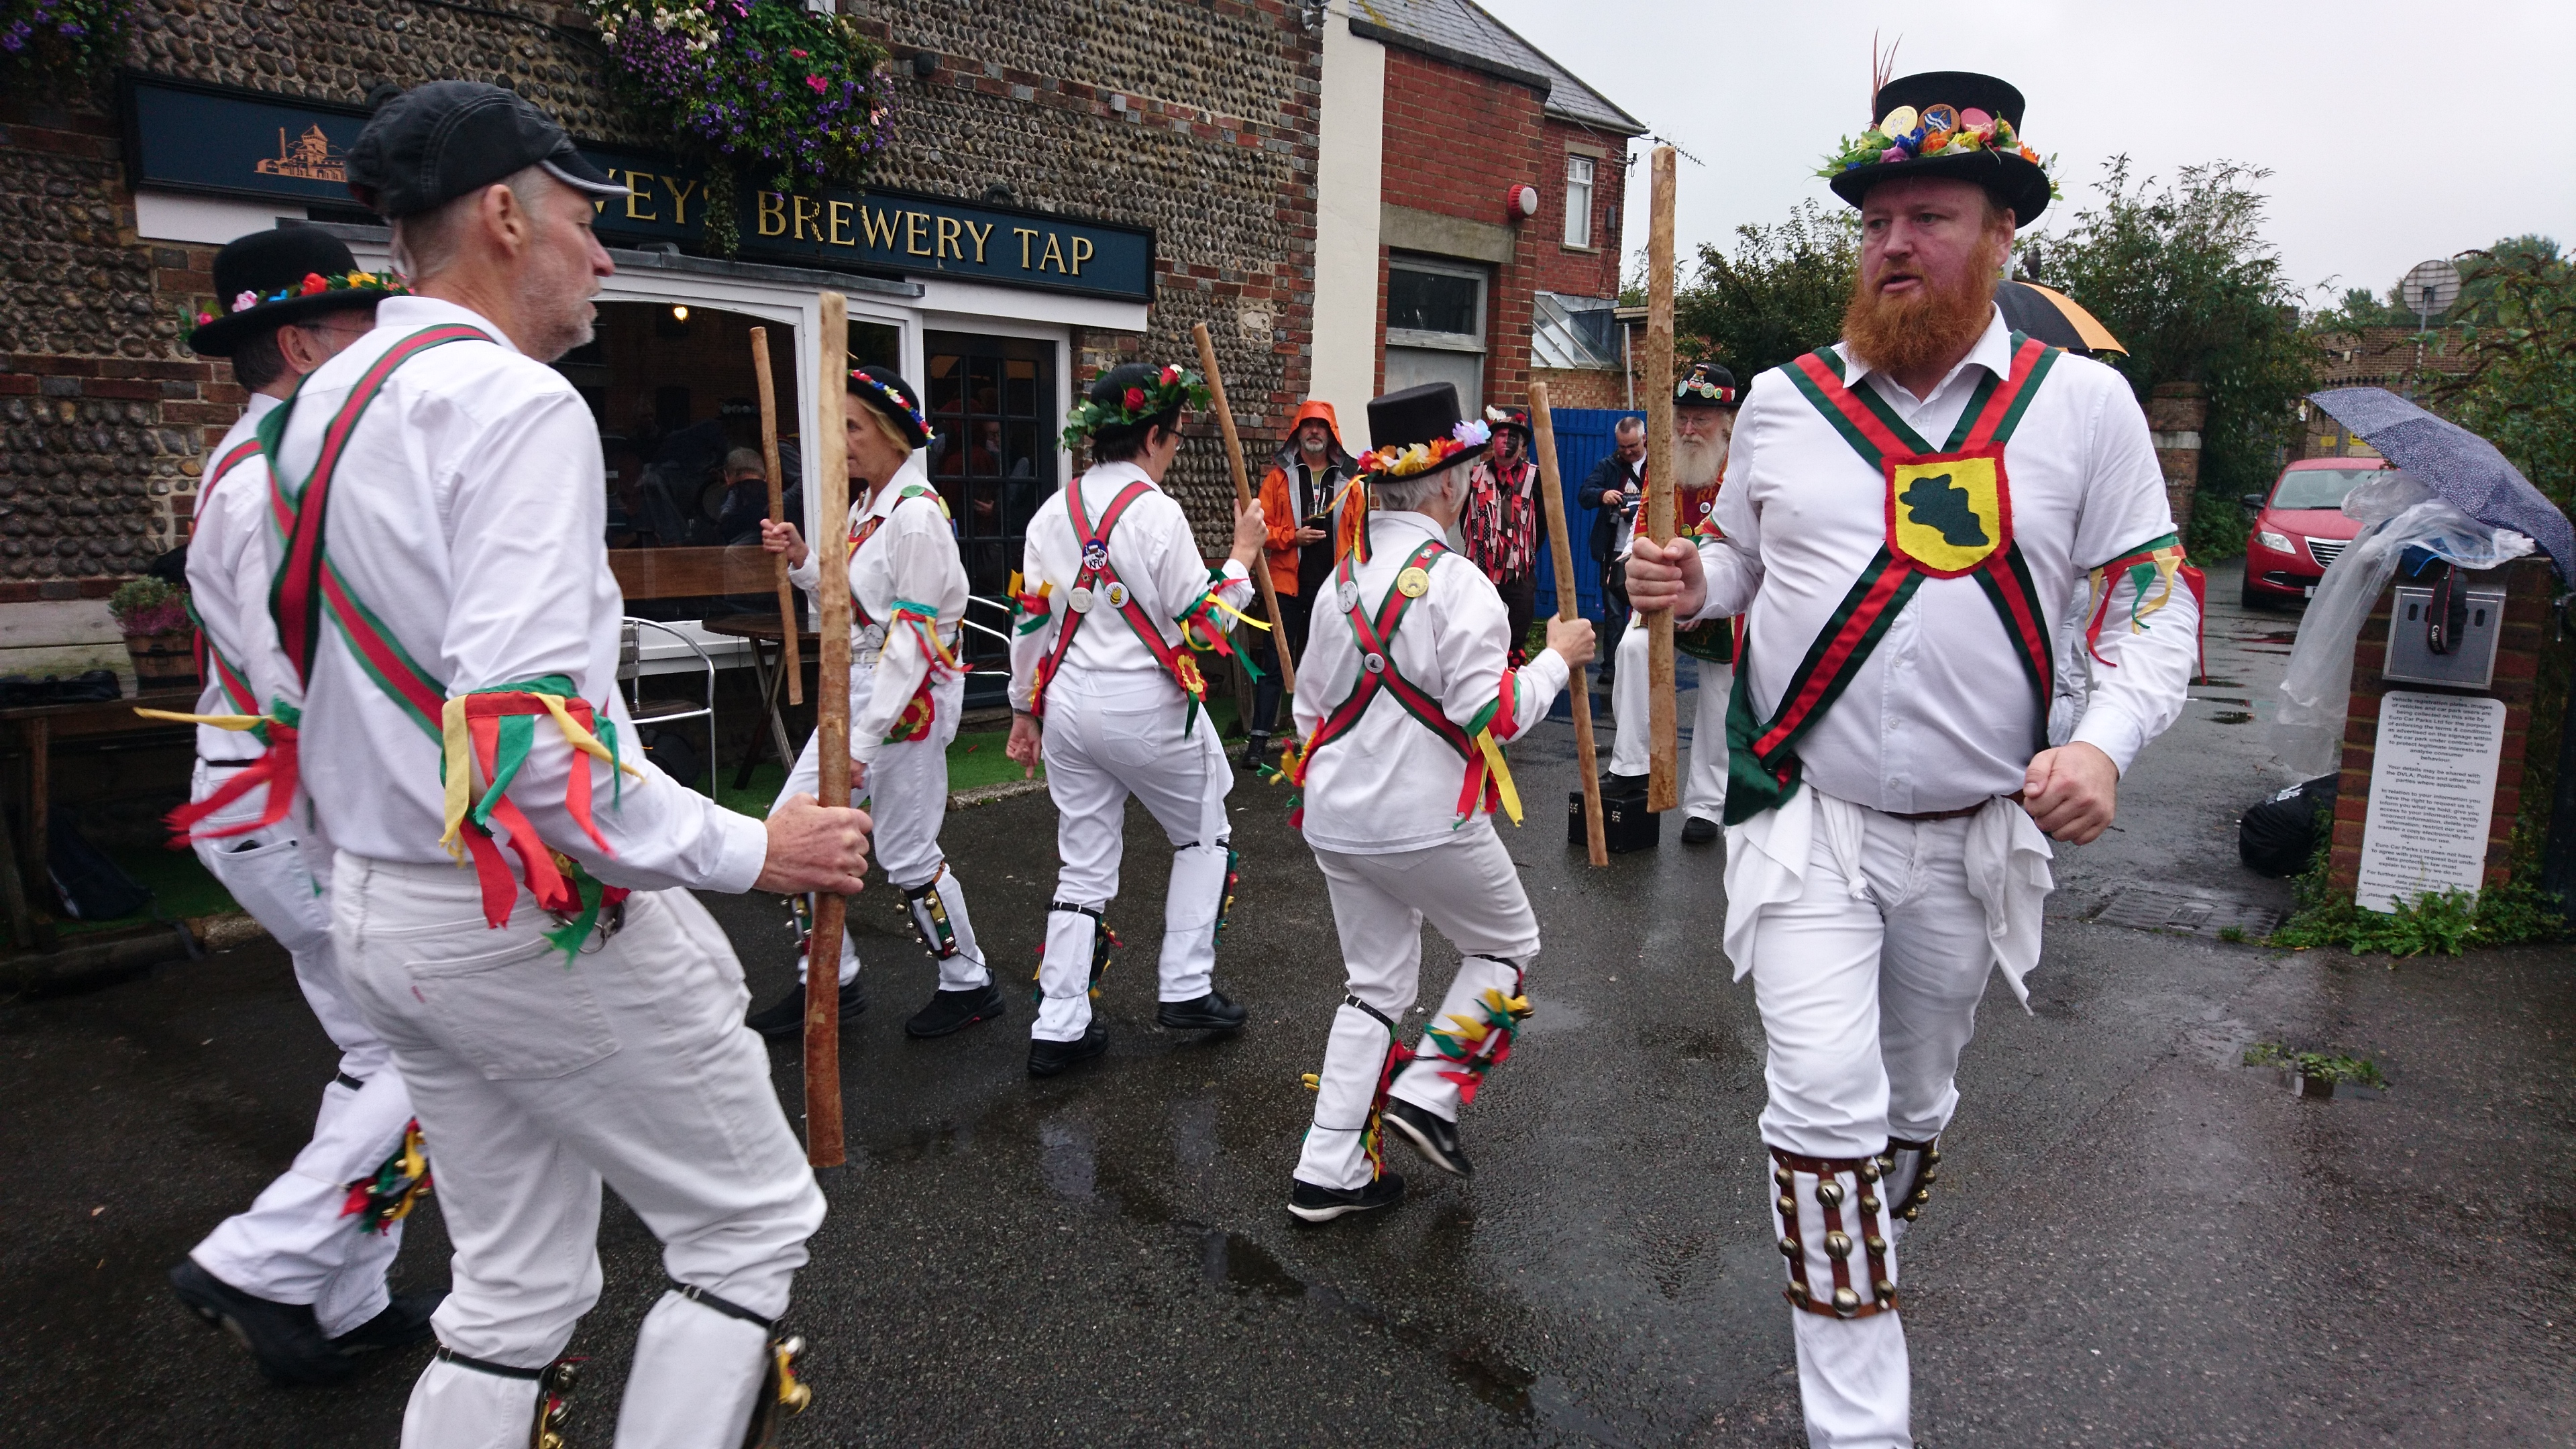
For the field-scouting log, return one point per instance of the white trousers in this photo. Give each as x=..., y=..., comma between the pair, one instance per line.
x=1467, y=888
x=1868, y=983
x=537, y=1078
x=1704, y=778
x=294, y=1245
x=907, y=796
x=1109, y=735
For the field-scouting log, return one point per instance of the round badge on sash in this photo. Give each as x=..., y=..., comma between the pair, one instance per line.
x=1413, y=583
x=1117, y=596
x=1350, y=597
x=1374, y=663
x=1079, y=600
x=1095, y=556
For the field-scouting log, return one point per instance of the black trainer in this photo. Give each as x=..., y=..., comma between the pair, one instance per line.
x=786, y=1015
x=1048, y=1058
x=1696, y=831
x=1256, y=752
x=282, y=1337
x=957, y=1010
x=1323, y=1204
x=1211, y=1012
x=1436, y=1140
x=404, y=1322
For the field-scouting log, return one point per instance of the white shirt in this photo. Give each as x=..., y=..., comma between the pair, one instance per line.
x=1153, y=553
x=228, y=577
x=910, y=555
x=1391, y=784
x=1941, y=715
x=470, y=513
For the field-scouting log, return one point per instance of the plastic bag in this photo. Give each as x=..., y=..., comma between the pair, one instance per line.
x=2398, y=513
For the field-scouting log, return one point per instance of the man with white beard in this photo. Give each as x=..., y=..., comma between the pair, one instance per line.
x=1704, y=404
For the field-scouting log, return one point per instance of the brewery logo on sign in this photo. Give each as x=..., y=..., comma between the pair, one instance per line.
x=309, y=157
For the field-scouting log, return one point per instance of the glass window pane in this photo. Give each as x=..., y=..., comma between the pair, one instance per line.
x=1019, y=504
x=1020, y=395
x=947, y=383
x=1431, y=301
x=1020, y=451
x=984, y=386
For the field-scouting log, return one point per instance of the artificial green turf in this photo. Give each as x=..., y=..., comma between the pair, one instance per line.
x=180, y=887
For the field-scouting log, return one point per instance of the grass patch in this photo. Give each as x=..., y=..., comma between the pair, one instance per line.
x=180, y=886
x=2360, y=1071
x=974, y=759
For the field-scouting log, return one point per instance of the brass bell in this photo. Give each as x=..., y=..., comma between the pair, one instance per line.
x=1789, y=1247
x=1869, y=1202
x=1928, y=1178
x=560, y=1376
x=1782, y=1176
x=1877, y=1245
x=1846, y=1302
x=1799, y=1292
x=1788, y=1206
x=1910, y=1210
x=1837, y=1246
x=558, y=1413
x=549, y=1439
x=1830, y=1193
x=1932, y=1153
x=1869, y=1169
x=1885, y=1290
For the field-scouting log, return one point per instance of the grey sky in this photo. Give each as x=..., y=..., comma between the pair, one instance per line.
x=2395, y=132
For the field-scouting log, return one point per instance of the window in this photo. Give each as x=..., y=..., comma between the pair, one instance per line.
x=1435, y=327
x=1427, y=301
x=993, y=405
x=1578, y=201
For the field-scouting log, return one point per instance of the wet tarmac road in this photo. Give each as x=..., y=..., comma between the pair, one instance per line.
x=2136, y=1240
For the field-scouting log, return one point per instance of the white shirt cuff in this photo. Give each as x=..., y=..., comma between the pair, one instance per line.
x=2111, y=732
x=741, y=852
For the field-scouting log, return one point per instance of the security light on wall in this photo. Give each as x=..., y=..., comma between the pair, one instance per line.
x=679, y=314
x=1520, y=203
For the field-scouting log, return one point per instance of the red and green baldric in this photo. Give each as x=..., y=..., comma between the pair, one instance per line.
x=492, y=729
x=920, y=711
x=1949, y=515
x=1488, y=783
x=1097, y=582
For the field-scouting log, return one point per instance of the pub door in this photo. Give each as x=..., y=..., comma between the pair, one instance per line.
x=992, y=404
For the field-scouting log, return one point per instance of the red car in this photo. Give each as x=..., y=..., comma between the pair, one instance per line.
x=2299, y=527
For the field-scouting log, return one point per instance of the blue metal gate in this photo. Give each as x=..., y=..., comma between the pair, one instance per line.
x=1583, y=439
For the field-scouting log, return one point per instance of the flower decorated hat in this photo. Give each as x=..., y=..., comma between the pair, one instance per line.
x=1132, y=393
x=1707, y=385
x=883, y=389
x=270, y=278
x=1502, y=420
x=1418, y=431
x=1945, y=123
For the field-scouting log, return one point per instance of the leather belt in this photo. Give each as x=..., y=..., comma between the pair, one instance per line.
x=1920, y=817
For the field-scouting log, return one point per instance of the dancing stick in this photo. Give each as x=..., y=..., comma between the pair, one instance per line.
x=1243, y=499
x=1552, y=494
x=792, y=661
x=1663, y=784
x=823, y=1144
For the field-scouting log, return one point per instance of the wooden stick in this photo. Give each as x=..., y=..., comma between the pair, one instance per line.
x=793, y=660
x=1243, y=498
x=823, y=1142
x=1552, y=494
x=1663, y=773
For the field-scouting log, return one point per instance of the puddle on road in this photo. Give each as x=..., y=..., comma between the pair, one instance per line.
x=1245, y=1266
x=1067, y=1161
x=2231, y=716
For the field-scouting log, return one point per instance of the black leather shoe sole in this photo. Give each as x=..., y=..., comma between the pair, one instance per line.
x=1436, y=1141
x=281, y=1337
x=1049, y=1058
x=1211, y=1012
x=1323, y=1204
x=1696, y=831
x=404, y=1322
x=786, y=1015
x=952, y=1011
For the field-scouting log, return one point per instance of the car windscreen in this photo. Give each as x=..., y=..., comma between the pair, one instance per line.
x=2317, y=487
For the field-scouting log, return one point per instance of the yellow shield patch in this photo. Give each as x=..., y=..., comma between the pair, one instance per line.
x=1948, y=513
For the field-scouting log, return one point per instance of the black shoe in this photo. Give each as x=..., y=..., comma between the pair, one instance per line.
x=1323, y=1204
x=1211, y=1012
x=1048, y=1058
x=1614, y=783
x=1434, y=1139
x=1696, y=831
x=786, y=1015
x=282, y=1337
x=957, y=1010
x=404, y=1322
x=1256, y=752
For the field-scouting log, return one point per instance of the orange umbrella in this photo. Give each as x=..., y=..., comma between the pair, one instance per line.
x=2054, y=318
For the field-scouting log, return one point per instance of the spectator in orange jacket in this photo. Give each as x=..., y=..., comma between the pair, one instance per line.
x=1310, y=525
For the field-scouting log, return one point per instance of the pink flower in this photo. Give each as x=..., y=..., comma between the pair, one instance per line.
x=245, y=301
x=205, y=317
x=1893, y=153
x=800, y=55
x=817, y=82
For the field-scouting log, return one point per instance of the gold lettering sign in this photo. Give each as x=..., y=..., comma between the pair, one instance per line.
x=1054, y=254
x=980, y=233
x=838, y=213
x=1024, y=234
x=773, y=213
x=949, y=231
x=878, y=227
x=1081, y=253
x=681, y=191
x=639, y=190
x=808, y=213
x=914, y=224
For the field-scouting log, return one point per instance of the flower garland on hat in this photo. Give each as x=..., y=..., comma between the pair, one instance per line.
x=1413, y=459
x=860, y=382
x=1697, y=385
x=1173, y=387
x=1905, y=134
x=381, y=284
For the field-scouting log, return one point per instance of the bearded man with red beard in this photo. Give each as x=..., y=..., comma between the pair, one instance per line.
x=1904, y=521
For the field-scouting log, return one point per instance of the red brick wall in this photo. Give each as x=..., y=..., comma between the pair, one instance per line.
x=1592, y=272
x=1455, y=140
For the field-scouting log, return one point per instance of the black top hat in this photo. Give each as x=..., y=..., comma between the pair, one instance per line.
x=1516, y=419
x=436, y=142
x=270, y=278
x=1424, y=418
x=884, y=389
x=1708, y=385
x=1946, y=123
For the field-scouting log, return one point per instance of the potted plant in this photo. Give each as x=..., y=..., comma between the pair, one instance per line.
x=159, y=631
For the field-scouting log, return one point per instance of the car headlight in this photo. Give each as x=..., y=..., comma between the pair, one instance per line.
x=2276, y=542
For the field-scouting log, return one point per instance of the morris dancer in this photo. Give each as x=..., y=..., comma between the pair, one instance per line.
x=907, y=596
x=1704, y=404
x=300, y=1277
x=1892, y=780
x=1503, y=525
x=1119, y=703
x=1411, y=695
x=567, y=1013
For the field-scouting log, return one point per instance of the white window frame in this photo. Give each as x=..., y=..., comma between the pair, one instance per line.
x=1444, y=341
x=1578, y=217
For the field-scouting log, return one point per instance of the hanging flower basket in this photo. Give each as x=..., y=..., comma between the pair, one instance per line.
x=160, y=634
x=59, y=38
x=763, y=88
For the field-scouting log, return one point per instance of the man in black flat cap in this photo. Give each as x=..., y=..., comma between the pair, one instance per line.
x=567, y=1014
x=1904, y=521
x=299, y=1278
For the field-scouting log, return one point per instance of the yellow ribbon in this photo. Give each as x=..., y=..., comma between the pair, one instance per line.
x=1502, y=774
x=458, y=744
x=235, y=722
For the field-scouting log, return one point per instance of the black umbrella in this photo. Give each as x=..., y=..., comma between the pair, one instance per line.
x=2460, y=467
x=2052, y=317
